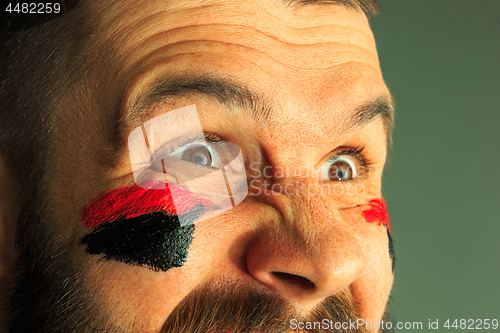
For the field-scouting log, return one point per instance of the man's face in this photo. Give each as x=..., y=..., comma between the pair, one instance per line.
x=300, y=233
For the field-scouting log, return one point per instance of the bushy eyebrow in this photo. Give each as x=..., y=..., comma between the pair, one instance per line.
x=365, y=113
x=233, y=95
x=226, y=92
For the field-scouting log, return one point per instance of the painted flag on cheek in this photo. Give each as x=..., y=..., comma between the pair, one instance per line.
x=141, y=226
x=377, y=213
x=129, y=202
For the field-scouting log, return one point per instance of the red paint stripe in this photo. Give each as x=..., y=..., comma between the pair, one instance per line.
x=134, y=201
x=377, y=213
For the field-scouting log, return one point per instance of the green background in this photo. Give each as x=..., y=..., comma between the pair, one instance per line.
x=441, y=61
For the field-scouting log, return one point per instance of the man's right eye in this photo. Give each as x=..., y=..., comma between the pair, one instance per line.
x=198, y=153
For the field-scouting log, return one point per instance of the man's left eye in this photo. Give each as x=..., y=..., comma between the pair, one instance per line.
x=341, y=168
x=198, y=153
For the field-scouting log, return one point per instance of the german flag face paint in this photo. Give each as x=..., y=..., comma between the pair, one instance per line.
x=378, y=214
x=141, y=226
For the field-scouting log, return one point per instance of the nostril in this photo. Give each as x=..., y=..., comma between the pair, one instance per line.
x=295, y=280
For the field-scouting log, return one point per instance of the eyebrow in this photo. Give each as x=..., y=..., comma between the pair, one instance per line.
x=226, y=92
x=383, y=107
x=232, y=94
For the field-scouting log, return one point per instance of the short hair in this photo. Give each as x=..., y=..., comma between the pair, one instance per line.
x=39, y=62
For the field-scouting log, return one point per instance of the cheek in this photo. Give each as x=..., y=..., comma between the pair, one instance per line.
x=141, y=226
x=373, y=231
x=377, y=213
x=148, y=295
x=372, y=288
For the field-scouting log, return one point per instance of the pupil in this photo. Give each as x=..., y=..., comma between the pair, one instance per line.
x=200, y=159
x=198, y=155
x=340, y=171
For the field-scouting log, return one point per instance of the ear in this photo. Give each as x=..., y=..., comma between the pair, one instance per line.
x=9, y=212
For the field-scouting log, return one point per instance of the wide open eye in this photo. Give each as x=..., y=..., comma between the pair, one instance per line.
x=198, y=153
x=340, y=168
x=172, y=151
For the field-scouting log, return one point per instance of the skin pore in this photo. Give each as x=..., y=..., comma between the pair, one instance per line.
x=313, y=67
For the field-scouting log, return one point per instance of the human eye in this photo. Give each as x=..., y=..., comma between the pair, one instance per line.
x=345, y=165
x=195, y=156
x=201, y=154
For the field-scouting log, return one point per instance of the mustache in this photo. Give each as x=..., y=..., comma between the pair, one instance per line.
x=225, y=307
x=133, y=201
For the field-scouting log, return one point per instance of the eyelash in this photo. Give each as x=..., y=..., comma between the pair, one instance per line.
x=208, y=137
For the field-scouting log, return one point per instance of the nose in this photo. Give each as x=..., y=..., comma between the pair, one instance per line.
x=307, y=252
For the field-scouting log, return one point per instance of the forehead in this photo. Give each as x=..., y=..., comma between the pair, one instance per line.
x=271, y=17
x=309, y=50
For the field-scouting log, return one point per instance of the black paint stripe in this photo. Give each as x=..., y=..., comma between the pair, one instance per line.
x=155, y=240
x=391, y=250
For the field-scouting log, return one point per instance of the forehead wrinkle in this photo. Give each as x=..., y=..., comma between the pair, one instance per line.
x=141, y=26
x=329, y=72
x=183, y=12
x=226, y=91
x=250, y=37
x=284, y=34
x=225, y=31
x=150, y=64
x=298, y=61
x=224, y=88
x=295, y=53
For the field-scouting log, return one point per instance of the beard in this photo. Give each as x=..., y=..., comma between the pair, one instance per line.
x=49, y=295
